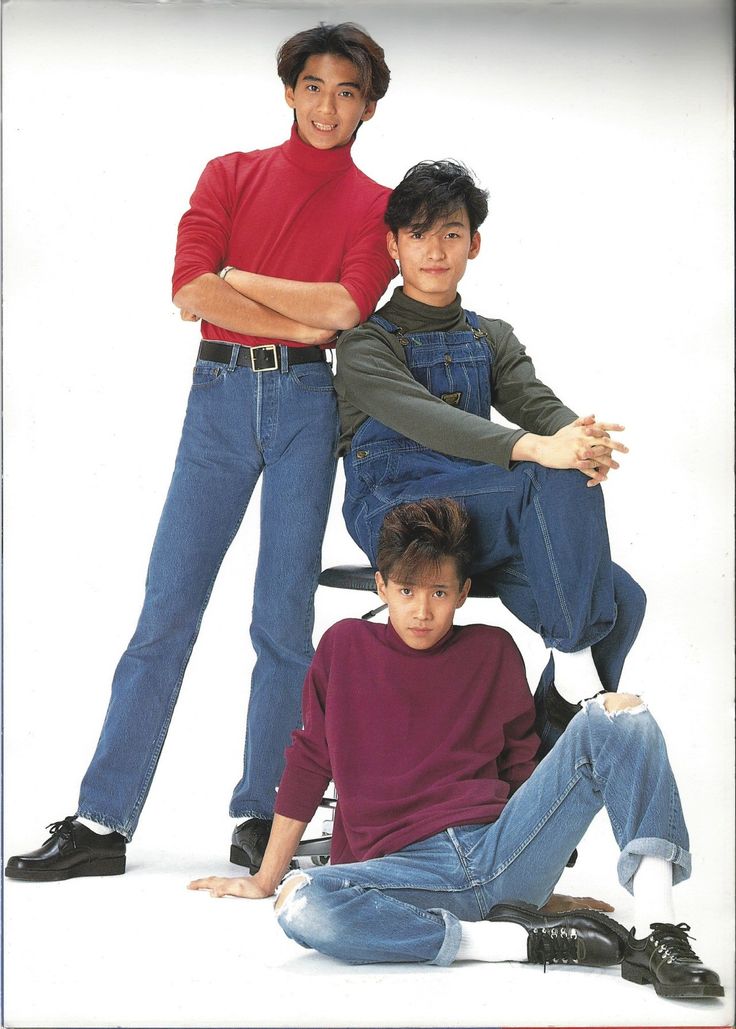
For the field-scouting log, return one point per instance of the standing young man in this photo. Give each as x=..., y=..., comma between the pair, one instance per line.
x=447, y=838
x=416, y=385
x=271, y=287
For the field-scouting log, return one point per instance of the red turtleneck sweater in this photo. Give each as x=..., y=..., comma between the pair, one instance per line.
x=291, y=212
x=416, y=741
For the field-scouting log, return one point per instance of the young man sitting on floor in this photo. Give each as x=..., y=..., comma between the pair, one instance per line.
x=446, y=836
x=415, y=386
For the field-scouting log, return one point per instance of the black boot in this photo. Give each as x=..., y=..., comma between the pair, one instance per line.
x=570, y=937
x=250, y=839
x=667, y=961
x=71, y=851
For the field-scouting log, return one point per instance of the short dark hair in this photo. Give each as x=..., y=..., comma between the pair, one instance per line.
x=344, y=40
x=432, y=190
x=416, y=538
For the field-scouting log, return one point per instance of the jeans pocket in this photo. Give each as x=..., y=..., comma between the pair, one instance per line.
x=314, y=377
x=207, y=373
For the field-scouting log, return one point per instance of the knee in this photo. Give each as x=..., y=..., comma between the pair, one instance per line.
x=631, y=600
x=617, y=703
x=303, y=910
x=291, y=885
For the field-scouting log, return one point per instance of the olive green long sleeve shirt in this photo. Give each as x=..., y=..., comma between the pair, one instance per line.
x=373, y=380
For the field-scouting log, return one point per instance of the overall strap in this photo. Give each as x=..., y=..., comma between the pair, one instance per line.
x=388, y=326
x=472, y=319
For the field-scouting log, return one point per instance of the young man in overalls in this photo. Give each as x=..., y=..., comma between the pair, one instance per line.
x=416, y=384
x=262, y=404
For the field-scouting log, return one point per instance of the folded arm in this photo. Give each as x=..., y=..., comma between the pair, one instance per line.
x=326, y=305
x=208, y=297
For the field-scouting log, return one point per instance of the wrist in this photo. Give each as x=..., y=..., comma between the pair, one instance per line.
x=527, y=448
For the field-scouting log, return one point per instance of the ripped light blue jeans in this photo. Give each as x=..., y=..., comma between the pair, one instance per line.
x=408, y=906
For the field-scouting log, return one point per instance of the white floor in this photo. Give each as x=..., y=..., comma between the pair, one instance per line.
x=141, y=950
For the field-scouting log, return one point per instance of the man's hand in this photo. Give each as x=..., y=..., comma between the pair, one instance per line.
x=188, y=316
x=558, y=903
x=219, y=886
x=585, y=444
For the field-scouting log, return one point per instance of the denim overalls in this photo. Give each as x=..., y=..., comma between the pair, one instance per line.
x=542, y=532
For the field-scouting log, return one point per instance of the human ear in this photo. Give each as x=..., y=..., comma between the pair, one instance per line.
x=380, y=586
x=463, y=594
x=370, y=110
x=289, y=96
x=474, y=246
x=392, y=245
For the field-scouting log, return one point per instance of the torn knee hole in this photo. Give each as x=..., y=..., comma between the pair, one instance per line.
x=620, y=703
x=293, y=882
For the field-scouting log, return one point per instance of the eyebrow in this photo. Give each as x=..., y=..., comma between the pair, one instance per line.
x=315, y=78
x=434, y=586
x=447, y=225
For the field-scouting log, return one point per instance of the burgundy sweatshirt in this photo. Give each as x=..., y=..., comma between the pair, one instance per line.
x=416, y=741
x=291, y=212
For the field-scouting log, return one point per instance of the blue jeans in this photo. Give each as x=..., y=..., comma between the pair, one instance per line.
x=239, y=425
x=408, y=906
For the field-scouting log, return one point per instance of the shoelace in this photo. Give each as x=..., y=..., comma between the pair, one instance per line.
x=62, y=828
x=553, y=946
x=671, y=941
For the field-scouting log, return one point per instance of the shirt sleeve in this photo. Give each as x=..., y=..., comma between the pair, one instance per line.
x=204, y=230
x=375, y=380
x=517, y=393
x=308, y=771
x=367, y=268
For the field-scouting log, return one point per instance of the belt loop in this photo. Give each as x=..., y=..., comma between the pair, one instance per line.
x=233, y=363
x=284, y=359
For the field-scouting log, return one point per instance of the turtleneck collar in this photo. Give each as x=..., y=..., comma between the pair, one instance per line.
x=318, y=162
x=395, y=642
x=414, y=316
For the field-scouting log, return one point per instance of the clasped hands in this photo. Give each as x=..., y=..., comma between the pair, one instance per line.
x=585, y=444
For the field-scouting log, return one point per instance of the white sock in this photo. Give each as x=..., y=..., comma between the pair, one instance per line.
x=576, y=677
x=492, y=941
x=101, y=830
x=652, y=894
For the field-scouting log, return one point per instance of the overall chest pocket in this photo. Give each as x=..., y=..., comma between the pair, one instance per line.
x=458, y=373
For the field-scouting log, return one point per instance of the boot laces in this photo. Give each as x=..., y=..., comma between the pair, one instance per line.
x=672, y=941
x=557, y=945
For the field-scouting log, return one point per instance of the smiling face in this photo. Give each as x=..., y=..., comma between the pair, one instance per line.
x=328, y=101
x=422, y=612
x=433, y=262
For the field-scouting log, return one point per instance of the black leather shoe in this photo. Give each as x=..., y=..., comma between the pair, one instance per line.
x=72, y=850
x=667, y=961
x=570, y=937
x=250, y=839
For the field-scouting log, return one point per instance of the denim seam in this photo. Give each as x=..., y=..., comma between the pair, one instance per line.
x=535, y=831
x=387, y=504
x=552, y=563
x=158, y=746
x=472, y=880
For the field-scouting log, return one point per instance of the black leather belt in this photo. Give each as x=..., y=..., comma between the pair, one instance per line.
x=258, y=359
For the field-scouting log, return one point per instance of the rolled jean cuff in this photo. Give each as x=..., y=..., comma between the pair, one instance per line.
x=652, y=846
x=453, y=935
x=594, y=634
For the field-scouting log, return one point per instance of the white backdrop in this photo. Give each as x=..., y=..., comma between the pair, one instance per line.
x=602, y=131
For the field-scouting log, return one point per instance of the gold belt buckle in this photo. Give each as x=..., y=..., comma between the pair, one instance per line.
x=269, y=352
